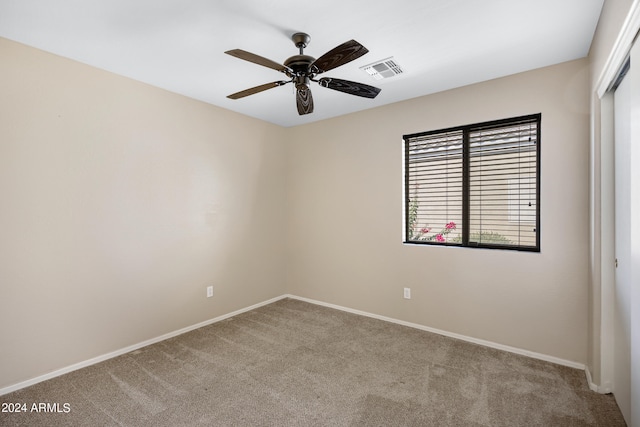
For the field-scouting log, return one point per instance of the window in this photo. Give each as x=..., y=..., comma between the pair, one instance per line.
x=475, y=185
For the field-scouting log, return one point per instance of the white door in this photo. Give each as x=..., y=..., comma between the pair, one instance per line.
x=627, y=243
x=622, y=319
x=634, y=233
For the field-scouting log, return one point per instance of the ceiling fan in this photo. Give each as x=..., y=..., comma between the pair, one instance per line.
x=302, y=69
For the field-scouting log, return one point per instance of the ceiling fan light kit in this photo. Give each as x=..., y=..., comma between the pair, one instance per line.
x=302, y=69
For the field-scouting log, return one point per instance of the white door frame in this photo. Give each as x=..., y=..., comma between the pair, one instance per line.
x=602, y=189
x=602, y=206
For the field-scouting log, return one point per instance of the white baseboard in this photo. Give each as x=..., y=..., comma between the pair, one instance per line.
x=602, y=389
x=593, y=386
x=485, y=343
x=130, y=348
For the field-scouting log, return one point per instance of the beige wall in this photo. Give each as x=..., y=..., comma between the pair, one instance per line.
x=345, y=225
x=120, y=203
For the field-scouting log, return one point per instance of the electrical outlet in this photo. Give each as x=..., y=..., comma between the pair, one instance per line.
x=407, y=293
x=209, y=291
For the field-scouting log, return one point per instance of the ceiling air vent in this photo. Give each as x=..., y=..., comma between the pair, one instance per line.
x=383, y=69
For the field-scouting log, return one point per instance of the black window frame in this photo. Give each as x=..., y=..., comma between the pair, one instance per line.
x=467, y=130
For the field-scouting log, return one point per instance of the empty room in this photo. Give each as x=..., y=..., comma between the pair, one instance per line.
x=332, y=213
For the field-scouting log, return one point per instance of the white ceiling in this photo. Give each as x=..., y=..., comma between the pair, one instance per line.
x=179, y=45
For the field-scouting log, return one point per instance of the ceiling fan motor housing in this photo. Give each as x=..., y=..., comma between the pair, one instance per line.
x=300, y=64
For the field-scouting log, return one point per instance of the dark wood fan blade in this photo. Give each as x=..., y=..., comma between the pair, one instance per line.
x=256, y=89
x=304, y=100
x=353, y=88
x=338, y=56
x=257, y=59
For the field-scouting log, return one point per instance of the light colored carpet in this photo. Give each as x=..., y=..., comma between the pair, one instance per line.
x=292, y=363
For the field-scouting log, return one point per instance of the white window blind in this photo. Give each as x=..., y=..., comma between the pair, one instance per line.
x=435, y=187
x=476, y=185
